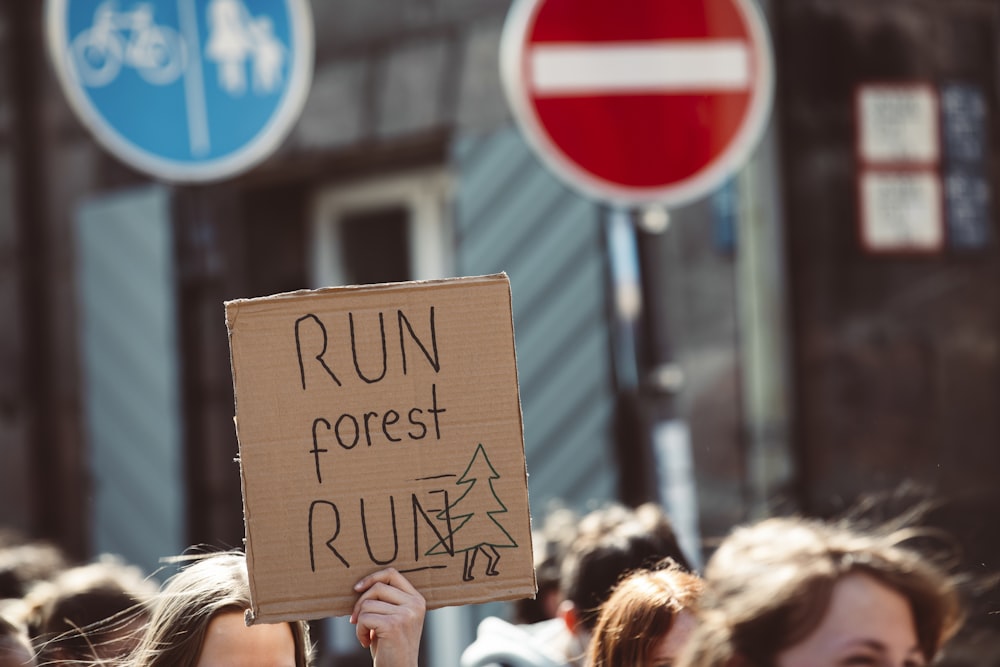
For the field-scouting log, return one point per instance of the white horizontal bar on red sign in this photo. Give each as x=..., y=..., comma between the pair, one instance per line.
x=674, y=66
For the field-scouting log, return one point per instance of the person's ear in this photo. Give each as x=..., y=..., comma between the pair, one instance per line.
x=567, y=612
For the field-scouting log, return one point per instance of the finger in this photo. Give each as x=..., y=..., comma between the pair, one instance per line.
x=373, y=608
x=382, y=593
x=390, y=576
x=365, y=635
x=387, y=585
x=377, y=619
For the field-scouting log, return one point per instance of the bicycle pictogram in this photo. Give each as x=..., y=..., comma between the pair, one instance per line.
x=129, y=38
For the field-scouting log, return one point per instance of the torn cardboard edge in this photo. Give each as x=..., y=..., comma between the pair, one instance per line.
x=458, y=525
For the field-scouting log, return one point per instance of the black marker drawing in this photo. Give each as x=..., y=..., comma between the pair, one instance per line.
x=476, y=531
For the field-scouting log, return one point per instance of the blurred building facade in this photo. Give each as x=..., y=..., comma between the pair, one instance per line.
x=814, y=367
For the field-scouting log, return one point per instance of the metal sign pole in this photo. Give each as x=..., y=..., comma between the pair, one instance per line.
x=654, y=444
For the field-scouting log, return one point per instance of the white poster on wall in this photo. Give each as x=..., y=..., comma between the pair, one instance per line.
x=901, y=211
x=897, y=124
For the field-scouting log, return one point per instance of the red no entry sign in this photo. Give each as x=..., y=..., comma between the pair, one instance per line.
x=639, y=101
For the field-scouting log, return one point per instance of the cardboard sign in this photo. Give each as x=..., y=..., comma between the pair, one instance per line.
x=380, y=426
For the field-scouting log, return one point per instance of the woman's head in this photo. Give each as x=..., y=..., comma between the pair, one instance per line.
x=15, y=647
x=213, y=587
x=646, y=619
x=776, y=585
x=89, y=613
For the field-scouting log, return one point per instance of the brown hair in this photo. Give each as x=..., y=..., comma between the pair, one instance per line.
x=769, y=586
x=89, y=612
x=15, y=646
x=188, y=602
x=639, y=613
x=23, y=565
x=611, y=542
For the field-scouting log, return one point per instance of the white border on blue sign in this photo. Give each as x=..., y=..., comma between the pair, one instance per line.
x=255, y=151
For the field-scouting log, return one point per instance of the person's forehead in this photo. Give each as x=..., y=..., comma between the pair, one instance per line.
x=671, y=644
x=863, y=613
x=15, y=653
x=229, y=642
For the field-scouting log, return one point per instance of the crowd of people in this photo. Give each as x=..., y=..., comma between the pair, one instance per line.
x=107, y=613
x=781, y=592
x=615, y=590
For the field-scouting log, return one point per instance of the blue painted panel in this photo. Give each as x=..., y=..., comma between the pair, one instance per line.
x=130, y=375
x=513, y=216
x=968, y=209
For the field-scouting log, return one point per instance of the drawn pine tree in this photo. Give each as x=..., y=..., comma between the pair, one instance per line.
x=475, y=528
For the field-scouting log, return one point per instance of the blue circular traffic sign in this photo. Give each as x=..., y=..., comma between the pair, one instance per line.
x=186, y=90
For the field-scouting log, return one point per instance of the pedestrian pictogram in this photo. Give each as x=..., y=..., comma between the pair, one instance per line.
x=638, y=102
x=187, y=90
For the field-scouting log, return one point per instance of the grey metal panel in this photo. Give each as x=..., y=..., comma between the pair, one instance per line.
x=130, y=374
x=511, y=219
x=488, y=164
x=513, y=216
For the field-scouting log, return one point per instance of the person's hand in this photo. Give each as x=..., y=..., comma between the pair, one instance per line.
x=390, y=618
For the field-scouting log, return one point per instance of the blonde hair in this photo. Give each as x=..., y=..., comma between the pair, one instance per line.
x=188, y=602
x=639, y=613
x=769, y=586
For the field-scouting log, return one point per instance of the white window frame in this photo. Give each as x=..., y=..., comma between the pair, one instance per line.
x=425, y=193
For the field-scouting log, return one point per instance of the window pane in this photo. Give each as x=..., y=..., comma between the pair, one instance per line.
x=376, y=245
